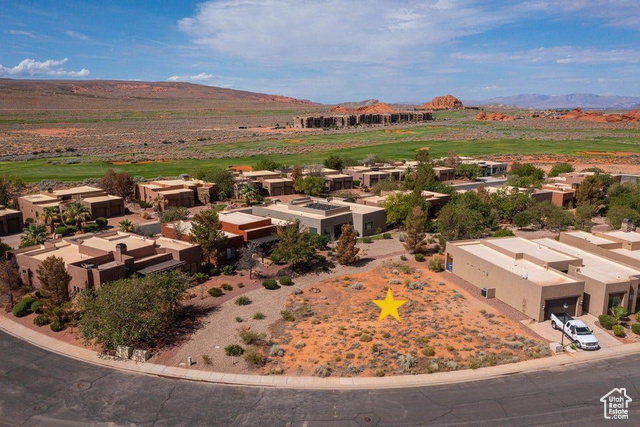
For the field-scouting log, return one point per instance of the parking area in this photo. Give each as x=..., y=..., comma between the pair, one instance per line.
x=545, y=330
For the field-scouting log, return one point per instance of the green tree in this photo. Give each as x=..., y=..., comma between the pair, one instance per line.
x=346, y=250
x=149, y=315
x=546, y=214
x=617, y=213
x=35, y=234
x=173, y=213
x=584, y=214
x=525, y=175
x=264, y=164
x=400, y=205
x=414, y=234
x=522, y=219
x=458, y=221
x=590, y=191
x=54, y=279
x=76, y=213
x=10, y=189
x=468, y=171
x=294, y=245
x=4, y=250
x=559, y=168
x=222, y=177
x=334, y=162
x=310, y=185
x=389, y=184
x=205, y=231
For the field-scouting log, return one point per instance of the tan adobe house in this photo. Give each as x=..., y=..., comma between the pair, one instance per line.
x=185, y=192
x=94, y=259
x=326, y=217
x=99, y=203
x=11, y=221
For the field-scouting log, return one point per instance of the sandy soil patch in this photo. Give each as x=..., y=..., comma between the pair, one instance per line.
x=273, y=130
x=398, y=131
x=54, y=132
x=336, y=328
x=294, y=140
x=607, y=153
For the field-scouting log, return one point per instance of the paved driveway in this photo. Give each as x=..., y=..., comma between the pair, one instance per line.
x=545, y=330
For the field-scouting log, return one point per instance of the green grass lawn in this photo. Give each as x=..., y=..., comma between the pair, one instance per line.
x=39, y=169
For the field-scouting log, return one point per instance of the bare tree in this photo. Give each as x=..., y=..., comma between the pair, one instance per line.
x=9, y=278
x=180, y=229
x=248, y=260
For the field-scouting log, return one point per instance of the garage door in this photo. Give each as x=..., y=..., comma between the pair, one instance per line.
x=556, y=306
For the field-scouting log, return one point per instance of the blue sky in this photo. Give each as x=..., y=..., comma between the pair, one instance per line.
x=333, y=51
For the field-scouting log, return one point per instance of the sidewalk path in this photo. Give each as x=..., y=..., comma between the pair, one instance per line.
x=40, y=340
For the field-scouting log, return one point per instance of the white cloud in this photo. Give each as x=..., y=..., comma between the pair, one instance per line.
x=355, y=32
x=50, y=67
x=202, y=78
x=76, y=35
x=22, y=33
x=615, y=13
x=558, y=55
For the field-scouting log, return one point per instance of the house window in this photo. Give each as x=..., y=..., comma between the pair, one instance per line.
x=368, y=225
x=313, y=230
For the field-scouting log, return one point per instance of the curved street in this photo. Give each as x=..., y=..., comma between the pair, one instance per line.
x=42, y=388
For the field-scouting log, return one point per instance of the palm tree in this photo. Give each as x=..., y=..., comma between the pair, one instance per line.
x=35, y=234
x=158, y=203
x=125, y=225
x=49, y=216
x=248, y=192
x=77, y=213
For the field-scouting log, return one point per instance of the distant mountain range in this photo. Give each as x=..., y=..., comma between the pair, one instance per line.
x=588, y=101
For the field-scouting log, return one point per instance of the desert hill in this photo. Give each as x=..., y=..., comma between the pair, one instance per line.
x=48, y=93
x=370, y=106
x=592, y=116
x=447, y=102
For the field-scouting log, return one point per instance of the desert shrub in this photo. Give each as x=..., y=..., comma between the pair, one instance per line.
x=239, y=319
x=606, y=321
x=419, y=257
x=406, y=362
x=618, y=330
x=90, y=228
x=428, y=351
x=403, y=257
x=365, y=337
x=227, y=287
x=251, y=337
x=367, y=240
x=61, y=229
x=436, y=265
x=276, y=350
x=286, y=281
x=206, y=359
x=35, y=307
x=200, y=277
x=20, y=310
x=215, y=292
x=386, y=236
x=255, y=358
x=636, y=328
x=322, y=371
x=503, y=232
x=242, y=300
x=28, y=300
x=41, y=320
x=638, y=316
x=318, y=241
x=270, y=284
x=71, y=229
x=228, y=270
x=259, y=316
x=57, y=326
x=380, y=373
x=233, y=350
x=286, y=315
x=101, y=222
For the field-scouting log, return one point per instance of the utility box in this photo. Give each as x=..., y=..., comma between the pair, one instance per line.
x=556, y=348
x=124, y=352
x=483, y=292
x=490, y=292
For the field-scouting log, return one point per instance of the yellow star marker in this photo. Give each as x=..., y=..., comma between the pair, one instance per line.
x=389, y=306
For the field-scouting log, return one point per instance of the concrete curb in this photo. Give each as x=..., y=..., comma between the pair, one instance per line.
x=311, y=383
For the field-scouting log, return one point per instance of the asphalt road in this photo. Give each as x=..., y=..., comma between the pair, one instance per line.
x=42, y=388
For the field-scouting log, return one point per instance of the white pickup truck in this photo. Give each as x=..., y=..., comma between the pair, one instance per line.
x=576, y=330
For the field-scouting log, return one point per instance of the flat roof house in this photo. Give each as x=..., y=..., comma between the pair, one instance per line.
x=185, y=192
x=606, y=282
x=93, y=260
x=436, y=200
x=251, y=228
x=488, y=167
x=99, y=203
x=444, y=174
x=326, y=217
x=11, y=221
x=268, y=183
x=618, y=245
x=530, y=277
